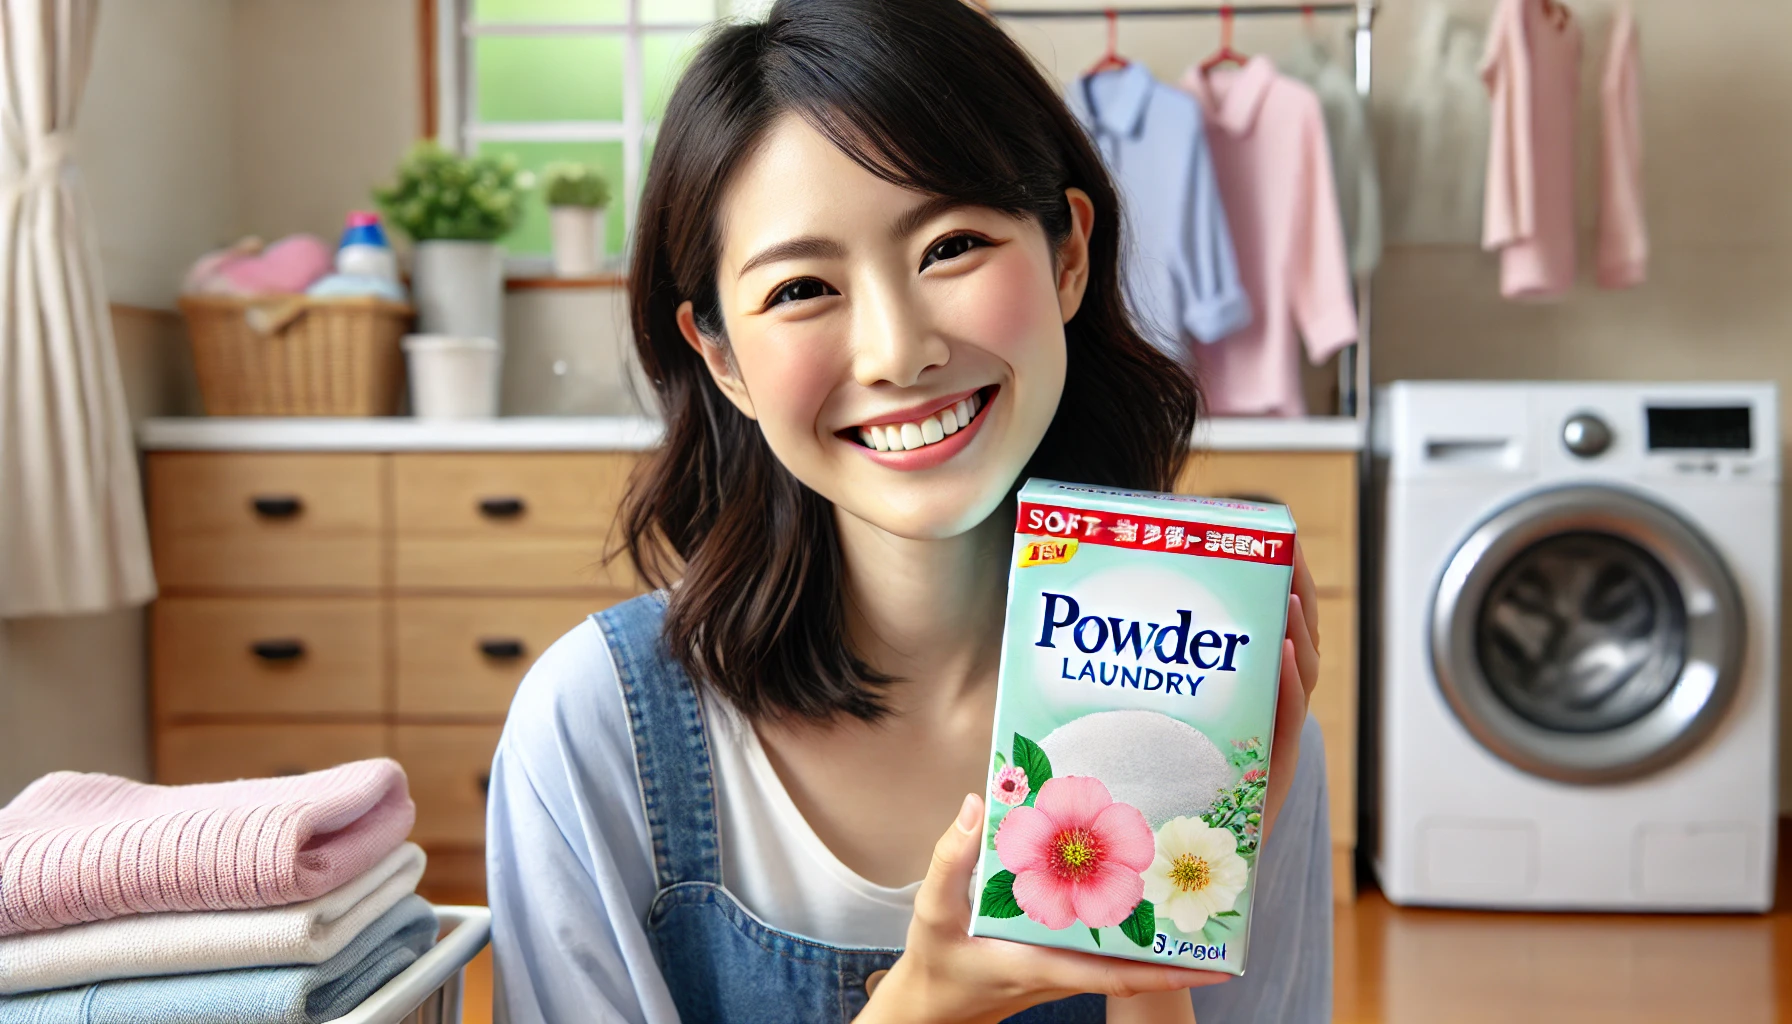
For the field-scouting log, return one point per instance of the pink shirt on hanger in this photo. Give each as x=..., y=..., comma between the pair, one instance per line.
x=1532, y=71
x=1270, y=158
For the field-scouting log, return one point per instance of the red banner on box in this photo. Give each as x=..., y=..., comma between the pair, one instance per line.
x=1147, y=533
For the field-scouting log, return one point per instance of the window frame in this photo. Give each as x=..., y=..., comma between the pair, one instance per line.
x=451, y=92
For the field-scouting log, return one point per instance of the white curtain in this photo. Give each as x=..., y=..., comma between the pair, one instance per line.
x=72, y=535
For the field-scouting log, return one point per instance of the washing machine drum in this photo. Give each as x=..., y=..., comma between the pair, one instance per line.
x=1587, y=634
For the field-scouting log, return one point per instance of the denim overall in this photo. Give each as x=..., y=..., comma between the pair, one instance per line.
x=721, y=963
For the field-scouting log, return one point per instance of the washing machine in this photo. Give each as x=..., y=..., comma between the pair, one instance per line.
x=1576, y=703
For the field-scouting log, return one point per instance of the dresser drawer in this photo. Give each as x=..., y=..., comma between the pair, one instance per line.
x=187, y=754
x=545, y=564
x=266, y=520
x=450, y=768
x=265, y=493
x=510, y=494
x=465, y=656
x=288, y=655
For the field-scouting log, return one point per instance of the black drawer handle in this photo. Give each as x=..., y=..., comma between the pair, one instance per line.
x=501, y=508
x=276, y=506
x=504, y=649
x=485, y=784
x=278, y=650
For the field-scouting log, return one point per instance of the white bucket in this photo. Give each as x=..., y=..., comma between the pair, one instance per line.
x=452, y=378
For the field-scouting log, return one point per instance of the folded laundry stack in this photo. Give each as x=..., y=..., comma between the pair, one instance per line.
x=289, y=899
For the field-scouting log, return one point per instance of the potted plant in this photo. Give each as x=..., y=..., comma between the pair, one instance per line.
x=577, y=195
x=455, y=209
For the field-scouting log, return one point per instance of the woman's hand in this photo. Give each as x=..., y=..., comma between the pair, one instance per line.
x=1300, y=673
x=946, y=975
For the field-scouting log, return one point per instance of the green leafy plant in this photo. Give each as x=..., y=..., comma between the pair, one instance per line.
x=572, y=184
x=441, y=195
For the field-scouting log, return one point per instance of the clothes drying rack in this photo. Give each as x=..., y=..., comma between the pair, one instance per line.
x=1353, y=362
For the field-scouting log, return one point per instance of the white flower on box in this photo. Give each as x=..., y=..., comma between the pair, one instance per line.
x=1197, y=873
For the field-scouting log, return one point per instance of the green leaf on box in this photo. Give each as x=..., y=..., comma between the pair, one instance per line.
x=998, y=896
x=1030, y=759
x=1141, y=925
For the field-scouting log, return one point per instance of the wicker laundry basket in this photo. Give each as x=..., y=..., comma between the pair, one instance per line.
x=291, y=355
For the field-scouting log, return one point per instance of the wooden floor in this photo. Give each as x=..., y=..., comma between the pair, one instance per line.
x=1405, y=966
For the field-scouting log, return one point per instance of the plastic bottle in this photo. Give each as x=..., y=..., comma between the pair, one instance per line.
x=364, y=252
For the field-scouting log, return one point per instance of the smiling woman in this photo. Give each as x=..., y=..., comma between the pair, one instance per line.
x=875, y=285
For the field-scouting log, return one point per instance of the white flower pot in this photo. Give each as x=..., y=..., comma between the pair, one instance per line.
x=452, y=378
x=459, y=289
x=579, y=233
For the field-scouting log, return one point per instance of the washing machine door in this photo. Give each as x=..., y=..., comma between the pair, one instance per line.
x=1587, y=634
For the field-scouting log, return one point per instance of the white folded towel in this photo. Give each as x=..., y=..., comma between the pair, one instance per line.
x=152, y=945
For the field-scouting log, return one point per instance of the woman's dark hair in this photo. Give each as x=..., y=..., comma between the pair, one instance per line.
x=930, y=95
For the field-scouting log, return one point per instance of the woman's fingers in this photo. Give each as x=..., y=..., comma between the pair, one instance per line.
x=1306, y=651
x=1308, y=593
x=944, y=897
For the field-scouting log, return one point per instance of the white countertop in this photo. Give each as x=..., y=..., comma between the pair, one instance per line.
x=609, y=433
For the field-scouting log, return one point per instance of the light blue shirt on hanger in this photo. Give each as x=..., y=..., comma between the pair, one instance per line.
x=1181, y=274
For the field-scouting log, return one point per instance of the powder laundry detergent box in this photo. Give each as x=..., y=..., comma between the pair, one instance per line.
x=1134, y=716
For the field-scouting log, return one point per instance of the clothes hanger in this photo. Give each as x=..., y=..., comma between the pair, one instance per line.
x=1225, y=53
x=1111, y=60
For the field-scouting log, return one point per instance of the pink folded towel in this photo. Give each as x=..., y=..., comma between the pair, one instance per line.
x=78, y=847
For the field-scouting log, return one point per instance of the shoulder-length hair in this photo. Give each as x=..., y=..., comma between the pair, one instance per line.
x=932, y=96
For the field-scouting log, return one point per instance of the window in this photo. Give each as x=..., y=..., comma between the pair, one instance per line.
x=547, y=80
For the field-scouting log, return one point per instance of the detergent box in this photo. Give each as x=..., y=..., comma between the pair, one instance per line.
x=1133, y=723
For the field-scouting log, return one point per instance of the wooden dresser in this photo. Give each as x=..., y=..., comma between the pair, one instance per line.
x=330, y=593
x=335, y=590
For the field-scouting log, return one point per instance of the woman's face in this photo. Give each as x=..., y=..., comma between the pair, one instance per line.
x=902, y=355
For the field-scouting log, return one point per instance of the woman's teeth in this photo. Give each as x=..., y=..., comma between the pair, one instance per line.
x=897, y=437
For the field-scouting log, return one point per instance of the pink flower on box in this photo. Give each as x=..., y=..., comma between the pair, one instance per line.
x=1076, y=854
x=1011, y=786
x=1255, y=773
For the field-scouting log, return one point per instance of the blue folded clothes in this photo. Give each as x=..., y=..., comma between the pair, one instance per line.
x=306, y=994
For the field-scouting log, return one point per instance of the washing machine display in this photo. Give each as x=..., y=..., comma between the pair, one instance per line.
x=1586, y=634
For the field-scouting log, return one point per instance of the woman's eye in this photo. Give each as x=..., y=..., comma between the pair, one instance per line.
x=950, y=248
x=797, y=291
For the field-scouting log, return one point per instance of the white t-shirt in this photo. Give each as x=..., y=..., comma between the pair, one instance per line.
x=776, y=865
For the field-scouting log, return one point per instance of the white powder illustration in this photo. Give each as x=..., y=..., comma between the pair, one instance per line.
x=1164, y=767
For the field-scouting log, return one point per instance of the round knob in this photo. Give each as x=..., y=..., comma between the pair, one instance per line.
x=1586, y=435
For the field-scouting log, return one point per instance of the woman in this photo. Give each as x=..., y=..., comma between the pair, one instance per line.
x=715, y=801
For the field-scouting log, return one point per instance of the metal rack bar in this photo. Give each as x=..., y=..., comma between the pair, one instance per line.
x=1238, y=10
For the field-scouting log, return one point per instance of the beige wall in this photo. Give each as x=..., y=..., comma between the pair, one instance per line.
x=154, y=141
x=326, y=102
